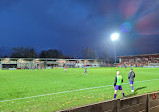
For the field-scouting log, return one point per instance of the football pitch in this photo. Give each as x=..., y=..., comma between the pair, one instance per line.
x=55, y=89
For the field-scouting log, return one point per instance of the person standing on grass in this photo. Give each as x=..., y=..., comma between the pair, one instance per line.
x=85, y=69
x=131, y=79
x=125, y=66
x=42, y=67
x=117, y=84
x=116, y=67
x=65, y=68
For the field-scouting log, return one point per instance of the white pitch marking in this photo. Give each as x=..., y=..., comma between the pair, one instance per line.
x=70, y=91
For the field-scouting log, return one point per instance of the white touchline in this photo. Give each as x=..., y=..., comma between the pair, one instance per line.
x=69, y=91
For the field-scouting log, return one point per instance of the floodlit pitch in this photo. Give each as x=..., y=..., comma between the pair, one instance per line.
x=55, y=89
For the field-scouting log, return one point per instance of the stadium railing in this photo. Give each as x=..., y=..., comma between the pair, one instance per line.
x=141, y=103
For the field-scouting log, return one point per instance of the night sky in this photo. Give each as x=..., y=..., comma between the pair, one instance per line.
x=72, y=25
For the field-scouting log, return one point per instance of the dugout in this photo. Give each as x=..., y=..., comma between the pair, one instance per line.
x=25, y=63
x=50, y=63
x=8, y=63
x=9, y=66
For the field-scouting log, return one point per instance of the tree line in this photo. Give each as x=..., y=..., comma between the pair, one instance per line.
x=29, y=52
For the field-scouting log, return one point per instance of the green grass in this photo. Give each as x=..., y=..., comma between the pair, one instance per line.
x=25, y=83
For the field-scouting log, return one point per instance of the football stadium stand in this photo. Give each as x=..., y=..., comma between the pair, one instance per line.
x=48, y=63
x=146, y=60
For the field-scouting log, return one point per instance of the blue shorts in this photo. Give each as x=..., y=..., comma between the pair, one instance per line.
x=131, y=82
x=118, y=87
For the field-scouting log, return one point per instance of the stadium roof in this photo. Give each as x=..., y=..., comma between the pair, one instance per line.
x=143, y=55
x=45, y=59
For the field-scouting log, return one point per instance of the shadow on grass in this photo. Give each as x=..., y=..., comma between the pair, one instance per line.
x=132, y=94
x=135, y=92
x=140, y=88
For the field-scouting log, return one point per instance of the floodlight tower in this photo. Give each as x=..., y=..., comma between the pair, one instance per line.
x=115, y=37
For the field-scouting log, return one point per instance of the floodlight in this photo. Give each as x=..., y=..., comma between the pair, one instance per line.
x=115, y=36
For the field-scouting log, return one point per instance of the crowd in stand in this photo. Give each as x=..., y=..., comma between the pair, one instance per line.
x=139, y=62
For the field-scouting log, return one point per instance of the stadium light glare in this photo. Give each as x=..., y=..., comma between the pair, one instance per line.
x=114, y=36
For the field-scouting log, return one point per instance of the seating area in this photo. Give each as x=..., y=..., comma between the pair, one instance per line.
x=139, y=60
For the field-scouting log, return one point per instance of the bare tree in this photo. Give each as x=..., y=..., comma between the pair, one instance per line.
x=104, y=55
x=89, y=53
x=51, y=53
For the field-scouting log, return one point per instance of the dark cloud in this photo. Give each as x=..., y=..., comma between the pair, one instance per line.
x=72, y=25
x=8, y=3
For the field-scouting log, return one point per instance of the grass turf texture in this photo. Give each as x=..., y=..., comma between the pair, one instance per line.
x=25, y=83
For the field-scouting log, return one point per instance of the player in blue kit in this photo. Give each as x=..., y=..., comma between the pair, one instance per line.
x=85, y=70
x=131, y=79
x=125, y=66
